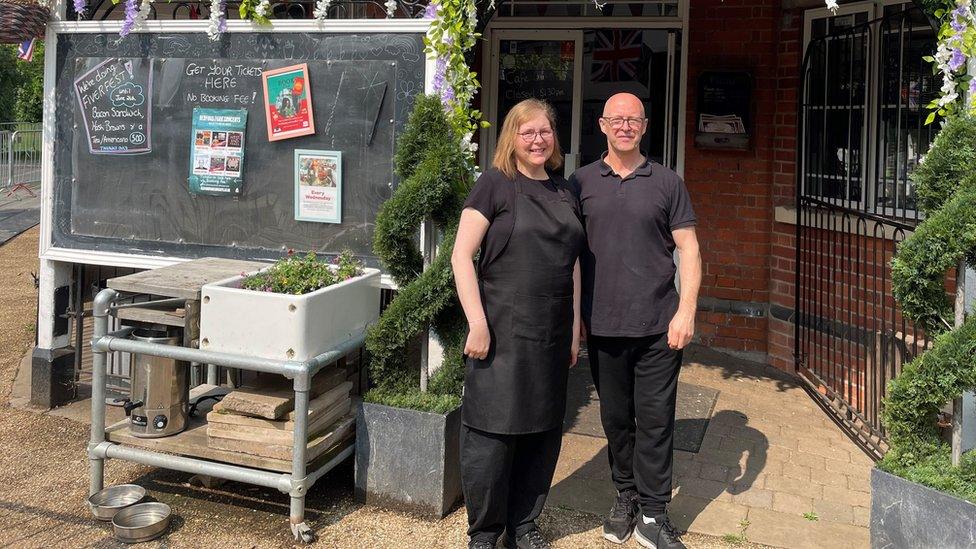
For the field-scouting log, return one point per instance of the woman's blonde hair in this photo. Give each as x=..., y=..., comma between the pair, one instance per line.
x=508, y=137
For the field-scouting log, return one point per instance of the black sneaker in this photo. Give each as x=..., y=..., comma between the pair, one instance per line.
x=530, y=540
x=657, y=533
x=623, y=516
x=480, y=544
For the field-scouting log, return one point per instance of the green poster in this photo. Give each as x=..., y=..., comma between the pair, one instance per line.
x=217, y=151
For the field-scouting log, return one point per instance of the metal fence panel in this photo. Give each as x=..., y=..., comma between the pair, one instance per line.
x=20, y=156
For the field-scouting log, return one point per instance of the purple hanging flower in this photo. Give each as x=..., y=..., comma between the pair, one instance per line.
x=80, y=6
x=131, y=12
x=430, y=11
x=972, y=87
x=222, y=23
x=440, y=72
x=957, y=24
x=447, y=95
x=957, y=60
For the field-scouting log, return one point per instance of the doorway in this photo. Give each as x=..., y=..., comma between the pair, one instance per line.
x=576, y=70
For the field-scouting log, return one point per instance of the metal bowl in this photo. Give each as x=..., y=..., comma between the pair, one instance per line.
x=141, y=522
x=105, y=503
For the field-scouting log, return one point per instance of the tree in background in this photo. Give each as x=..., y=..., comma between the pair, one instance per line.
x=21, y=85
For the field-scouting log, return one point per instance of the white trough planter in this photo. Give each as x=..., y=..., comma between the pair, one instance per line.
x=282, y=326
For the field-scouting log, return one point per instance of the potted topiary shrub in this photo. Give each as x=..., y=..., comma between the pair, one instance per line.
x=407, y=440
x=919, y=497
x=295, y=309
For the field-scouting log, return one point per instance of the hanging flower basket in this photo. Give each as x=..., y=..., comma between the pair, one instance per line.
x=22, y=20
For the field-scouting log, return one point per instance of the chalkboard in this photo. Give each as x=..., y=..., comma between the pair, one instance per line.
x=114, y=98
x=112, y=195
x=724, y=110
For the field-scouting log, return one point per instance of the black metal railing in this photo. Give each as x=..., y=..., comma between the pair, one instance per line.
x=861, y=133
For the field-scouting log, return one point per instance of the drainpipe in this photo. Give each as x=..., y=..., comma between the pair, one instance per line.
x=963, y=408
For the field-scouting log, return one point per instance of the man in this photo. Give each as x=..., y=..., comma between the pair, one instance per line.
x=636, y=212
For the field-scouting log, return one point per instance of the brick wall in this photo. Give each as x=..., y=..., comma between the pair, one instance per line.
x=783, y=251
x=747, y=259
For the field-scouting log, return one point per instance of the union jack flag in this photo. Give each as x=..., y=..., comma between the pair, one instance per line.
x=618, y=55
x=25, y=51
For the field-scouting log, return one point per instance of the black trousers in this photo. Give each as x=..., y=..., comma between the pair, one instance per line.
x=637, y=380
x=506, y=479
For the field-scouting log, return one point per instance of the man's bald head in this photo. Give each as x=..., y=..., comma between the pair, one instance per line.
x=623, y=122
x=623, y=104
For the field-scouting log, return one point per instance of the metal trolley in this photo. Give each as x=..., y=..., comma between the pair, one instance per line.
x=295, y=484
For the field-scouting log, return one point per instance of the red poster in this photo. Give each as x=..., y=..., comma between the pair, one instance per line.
x=288, y=102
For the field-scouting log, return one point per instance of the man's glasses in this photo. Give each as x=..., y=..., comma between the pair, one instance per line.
x=529, y=136
x=617, y=122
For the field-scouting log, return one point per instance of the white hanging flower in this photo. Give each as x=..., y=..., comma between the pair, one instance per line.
x=143, y=14
x=467, y=144
x=321, y=9
x=832, y=6
x=263, y=9
x=216, y=23
x=391, y=7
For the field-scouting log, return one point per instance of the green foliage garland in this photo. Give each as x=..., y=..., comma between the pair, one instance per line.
x=946, y=186
x=435, y=177
x=453, y=33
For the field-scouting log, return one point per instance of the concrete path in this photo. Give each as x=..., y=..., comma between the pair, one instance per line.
x=18, y=212
x=772, y=468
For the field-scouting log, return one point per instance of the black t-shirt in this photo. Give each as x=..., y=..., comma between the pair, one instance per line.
x=493, y=195
x=628, y=269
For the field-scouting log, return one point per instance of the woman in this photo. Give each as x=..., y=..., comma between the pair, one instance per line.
x=522, y=307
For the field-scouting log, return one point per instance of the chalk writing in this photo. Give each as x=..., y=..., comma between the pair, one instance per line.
x=116, y=103
x=220, y=82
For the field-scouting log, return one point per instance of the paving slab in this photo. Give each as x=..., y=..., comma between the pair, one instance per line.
x=757, y=461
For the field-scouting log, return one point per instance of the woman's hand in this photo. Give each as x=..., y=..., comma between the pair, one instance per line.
x=478, y=340
x=574, y=350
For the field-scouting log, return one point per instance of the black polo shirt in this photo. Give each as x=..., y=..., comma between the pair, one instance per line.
x=494, y=195
x=628, y=269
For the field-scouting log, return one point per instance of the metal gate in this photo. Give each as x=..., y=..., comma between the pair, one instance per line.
x=861, y=133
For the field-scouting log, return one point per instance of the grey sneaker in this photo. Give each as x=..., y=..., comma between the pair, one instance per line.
x=480, y=544
x=657, y=533
x=623, y=516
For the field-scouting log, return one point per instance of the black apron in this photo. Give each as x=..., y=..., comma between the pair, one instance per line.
x=527, y=292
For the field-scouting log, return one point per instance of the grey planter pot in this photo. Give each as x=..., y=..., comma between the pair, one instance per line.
x=407, y=459
x=906, y=514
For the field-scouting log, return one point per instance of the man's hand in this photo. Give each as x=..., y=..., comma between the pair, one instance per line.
x=479, y=339
x=681, y=329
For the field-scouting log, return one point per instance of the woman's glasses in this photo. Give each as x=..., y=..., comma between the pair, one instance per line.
x=529, y=136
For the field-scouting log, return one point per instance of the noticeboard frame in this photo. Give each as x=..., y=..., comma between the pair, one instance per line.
x=47, y=250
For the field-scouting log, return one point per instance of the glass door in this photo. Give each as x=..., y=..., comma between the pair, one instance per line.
x=543, y=65
x=643, y=62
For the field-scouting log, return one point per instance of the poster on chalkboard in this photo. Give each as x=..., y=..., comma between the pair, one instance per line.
x=288, y=102
x=116, y=105
x=217, y=151
x=318, y=186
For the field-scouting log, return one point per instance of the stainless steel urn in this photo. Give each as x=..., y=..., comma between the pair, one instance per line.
x=160, y=390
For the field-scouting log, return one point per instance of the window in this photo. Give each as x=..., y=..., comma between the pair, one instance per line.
x=865, y=88
x=587, y=8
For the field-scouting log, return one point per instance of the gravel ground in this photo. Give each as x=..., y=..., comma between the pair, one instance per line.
x=44, y=477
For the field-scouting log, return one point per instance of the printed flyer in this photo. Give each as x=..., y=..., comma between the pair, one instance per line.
x=217, y=151
x=318, y=186
x=288, y=102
